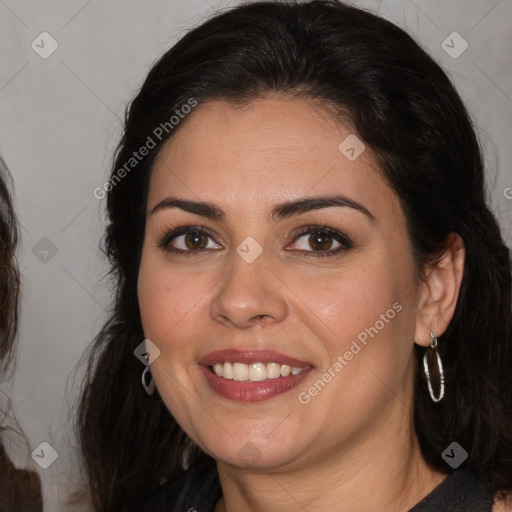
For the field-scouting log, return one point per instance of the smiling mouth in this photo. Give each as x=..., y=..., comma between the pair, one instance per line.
x=254, y=372
x=261, y=387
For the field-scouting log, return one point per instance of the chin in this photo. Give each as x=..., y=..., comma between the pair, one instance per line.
x=254, y=452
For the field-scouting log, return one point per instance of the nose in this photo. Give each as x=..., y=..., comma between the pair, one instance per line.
x=250, y=294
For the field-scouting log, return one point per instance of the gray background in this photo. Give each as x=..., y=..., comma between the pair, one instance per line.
x=59, y=125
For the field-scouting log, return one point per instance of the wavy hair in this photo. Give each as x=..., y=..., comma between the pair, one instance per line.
x=20, y=489
x=373, y=76
x=9, y=274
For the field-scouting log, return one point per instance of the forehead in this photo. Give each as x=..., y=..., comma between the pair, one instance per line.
x=264, y=152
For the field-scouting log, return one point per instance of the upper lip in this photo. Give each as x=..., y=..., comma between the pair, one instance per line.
x=251, y=356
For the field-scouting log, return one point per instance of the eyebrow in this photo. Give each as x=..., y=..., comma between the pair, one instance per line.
x=278, y=212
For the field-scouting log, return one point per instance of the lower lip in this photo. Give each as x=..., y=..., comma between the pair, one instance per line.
x=248, y=391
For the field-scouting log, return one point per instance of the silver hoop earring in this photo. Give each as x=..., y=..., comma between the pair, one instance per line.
x=433, y=346
x=149, y=387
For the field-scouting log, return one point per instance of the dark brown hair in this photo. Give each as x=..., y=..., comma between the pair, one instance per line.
x=373, y=75
x=20, y=490
x=9, y=275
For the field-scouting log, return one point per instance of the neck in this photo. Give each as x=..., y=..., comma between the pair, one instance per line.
x=383, y=472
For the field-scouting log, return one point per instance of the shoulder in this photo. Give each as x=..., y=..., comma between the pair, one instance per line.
x=461, y=491
x=20, y=489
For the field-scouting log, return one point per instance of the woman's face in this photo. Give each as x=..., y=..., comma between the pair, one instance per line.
x=244, y=284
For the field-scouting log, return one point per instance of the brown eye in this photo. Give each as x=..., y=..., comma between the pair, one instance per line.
x=188, y=240
x=320, y=241
x=317, y=241
x=196, y=240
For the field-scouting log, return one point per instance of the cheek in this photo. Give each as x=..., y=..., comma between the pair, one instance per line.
x=169, y=301
x=158, y=308
x=353, y=296
x=365, y=315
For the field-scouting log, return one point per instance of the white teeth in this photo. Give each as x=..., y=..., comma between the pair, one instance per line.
x=227, y=371
x=240, y=371
x=255, y=372
x=273, y=370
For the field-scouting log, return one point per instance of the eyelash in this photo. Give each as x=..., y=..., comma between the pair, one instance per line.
x=345, y=241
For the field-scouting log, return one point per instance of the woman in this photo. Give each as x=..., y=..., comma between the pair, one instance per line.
x=306, y=265
x=20, y=489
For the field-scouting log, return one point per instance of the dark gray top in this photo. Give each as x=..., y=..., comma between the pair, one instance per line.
x=198, y=490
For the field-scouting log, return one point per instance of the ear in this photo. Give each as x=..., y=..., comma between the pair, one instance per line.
x=439, y=291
